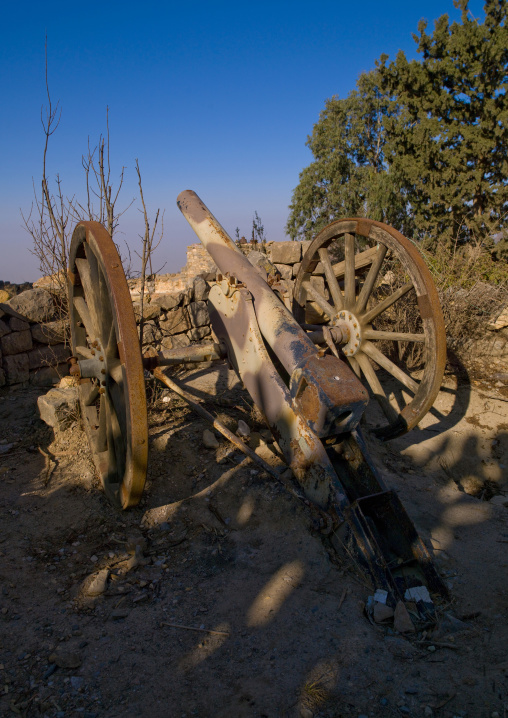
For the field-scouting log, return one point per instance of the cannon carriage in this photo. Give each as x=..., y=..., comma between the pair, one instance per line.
x=306, y=351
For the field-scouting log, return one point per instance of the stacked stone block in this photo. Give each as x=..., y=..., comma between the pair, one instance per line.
x=176, y=320
x=33, y=347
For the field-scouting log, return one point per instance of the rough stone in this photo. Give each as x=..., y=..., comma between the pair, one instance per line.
x=401, y=620
x=35, y=304
x=16, y=368
x=59, y=407
x=210, y=440
x=187, y=296
x=18, y=325
x=3, y=380
x=176, y=321
x=167, y=301
x=201, y=289
x=180, y=340
x=285, y=252
x=382, y=612
x=243, y=428
x=96, y=583
x=16, y=342
x=151, y=333
x=198, y=333
x=49, y=332
x=49, y=375
x=286, y=271
x=499, y=500
x=305, y=245
x=48, y=356
x=65, y=659
x=198, y=314
x=296, y=268
x=150, y=310
x=166, y=343
x=4, y=295
x=4, y=328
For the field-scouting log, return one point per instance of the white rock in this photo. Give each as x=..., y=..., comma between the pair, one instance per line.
x=243, y=429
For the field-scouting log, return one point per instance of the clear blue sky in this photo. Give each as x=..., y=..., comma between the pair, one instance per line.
x=216, y=97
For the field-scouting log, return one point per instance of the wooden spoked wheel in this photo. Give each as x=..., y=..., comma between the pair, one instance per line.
x=107, y=359
x=369, y=291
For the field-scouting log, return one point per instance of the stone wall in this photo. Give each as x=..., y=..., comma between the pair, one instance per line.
x=32, y=342
x=33, y=348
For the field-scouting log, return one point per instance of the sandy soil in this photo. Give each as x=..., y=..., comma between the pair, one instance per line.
x=235, y=607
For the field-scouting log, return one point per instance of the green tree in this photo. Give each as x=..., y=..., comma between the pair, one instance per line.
x=449, y=147
x=420, y=144
x=349, y=175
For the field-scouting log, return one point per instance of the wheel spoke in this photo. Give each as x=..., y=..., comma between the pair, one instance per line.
x=374, y=383
x=349, y=276
x=383, y=306
x=363, y=259
x=333, y=284
x=116, y=444
x=370, y=280
x=84, y=352
x=90, y=289
x=101, y=443
x=111, y=348
x=118, y=402
x=354, y=365
x=106, y=312
x=390, y=367
x=319, y=299
x=393, y=336
x=89, y=392
x=115, y=371
x=81, y=307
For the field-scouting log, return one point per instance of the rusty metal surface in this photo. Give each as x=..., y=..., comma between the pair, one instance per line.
x=235, y=323
x=110, y=357
x=358, y=319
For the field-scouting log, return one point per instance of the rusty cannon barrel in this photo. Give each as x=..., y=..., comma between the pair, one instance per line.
x=322, y=381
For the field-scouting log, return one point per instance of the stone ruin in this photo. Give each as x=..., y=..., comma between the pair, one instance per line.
x=34, y=343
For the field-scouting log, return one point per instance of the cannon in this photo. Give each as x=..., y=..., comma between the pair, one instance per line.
x=301, y=349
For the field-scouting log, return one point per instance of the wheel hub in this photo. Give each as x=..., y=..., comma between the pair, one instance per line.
x=351, y=330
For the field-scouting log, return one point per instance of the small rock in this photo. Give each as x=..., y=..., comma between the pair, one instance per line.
x=94, y=558
x=4, y=448
x=96, y=583
x=428, y=712
x=137, y=560
x=136, y=542
x=382, y=612
x=118, y=613
x=77, y=682
x=306, y=713
x=210, y=440
x=243, y=429
x=59, y=407
x=65, y=659
x=499, y=500
x=401, y=620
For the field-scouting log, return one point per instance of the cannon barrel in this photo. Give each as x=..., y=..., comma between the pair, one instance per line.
x=278, y=326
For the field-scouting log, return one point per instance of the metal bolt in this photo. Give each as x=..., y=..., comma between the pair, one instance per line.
x=103, y=371
x=102, y=391
x=101, y=358
x=93, y=352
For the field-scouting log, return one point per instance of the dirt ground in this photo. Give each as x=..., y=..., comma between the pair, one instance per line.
x=235, y=607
